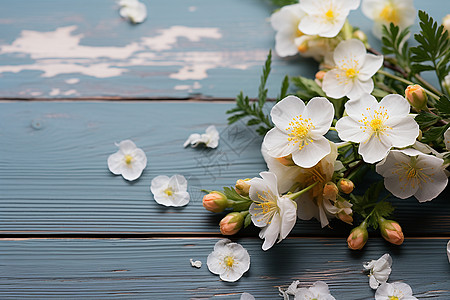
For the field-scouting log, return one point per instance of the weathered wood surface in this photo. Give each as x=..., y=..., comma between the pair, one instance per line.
x=186, y=48
x=160, y=268
x=54, y=176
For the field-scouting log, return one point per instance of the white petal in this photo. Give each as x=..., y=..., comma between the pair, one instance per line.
x=396, y=106
x=215, y=263
x=403, y=287
x=448, y=251
x=288, y=212
x=447, y=137
x=349, y=130
x=116, y=163
x=319, y=288
x=126, y=146
x=370, y=7
x=404, y=133
x=356, y=108
x=373, y=283
x=178, y=183
x=374, y=149
x=247, y=296
x=159, y=183
x=349, y=50
x=384, y=291
x=400, y=189
x=277, y=143
x=312, y=153
x=230, y=275
x=131, y=173
x=285, y=43
x=270, y=232
x=432, y=188
x=180, y=199
x=306, y=208
x=139, y=158
x=256, y=212
x=332, y=86
x=193, y=139
x=371, y=65
x=321, y=112
x=359, y=88
x=286, y=110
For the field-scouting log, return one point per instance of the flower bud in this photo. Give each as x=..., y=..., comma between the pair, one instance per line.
x=232, y=223
x=391, y=231
x=446, y=23
x=330, y=191
x=215, y=202
x=346, y=186
x=416, y=96
x=358, y=237
x=242, y=187
x=320, y=75
x=286, y=160
x=360, y=35
x=344, y=217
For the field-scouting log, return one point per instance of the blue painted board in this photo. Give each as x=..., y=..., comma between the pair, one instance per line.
x=186, y=48
x=160, y=268
x=54, y=176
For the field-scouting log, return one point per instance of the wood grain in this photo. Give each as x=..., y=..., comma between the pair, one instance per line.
x=185, y=48
x=160, y=268
x=54, y=178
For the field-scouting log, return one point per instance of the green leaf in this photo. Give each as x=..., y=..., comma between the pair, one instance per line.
x=426, y=119
x=284, y=88
x=253, y=122
x=308, y=87
x=247, y=220
x=240, y=202
x=395, y=42
x=262, y=91
x=281, y=3
x=434, y=135
x=443, y=106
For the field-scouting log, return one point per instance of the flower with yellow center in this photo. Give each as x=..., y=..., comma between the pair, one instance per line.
x=378, y=127
x=325, y=17
x=353, y=71
x=274, y=214
x=170, y=191
x=299, y=130
x=319, y=291
x=383, y=12
x=129, y=161
x=379, y=270
x=229, y=260
x=410, y=172
x=394, y=291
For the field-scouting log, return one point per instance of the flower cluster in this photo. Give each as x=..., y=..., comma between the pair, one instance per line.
x=365, y=111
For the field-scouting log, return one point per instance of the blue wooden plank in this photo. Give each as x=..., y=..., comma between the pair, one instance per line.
x=54, y=177
x=208, y=48
x=160, y=268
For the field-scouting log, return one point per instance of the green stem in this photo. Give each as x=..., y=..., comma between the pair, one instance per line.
x=343, y=144
x=295, y=195
x=426, y=84
x=387, y=74
x=333, y=129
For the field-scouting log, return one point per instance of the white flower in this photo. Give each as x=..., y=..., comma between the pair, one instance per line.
x=229, y=260
x=396, y=290
x=133, y=10
x=170, y=191
x=379, y=270
x=447, y=139
x=299, y=130
x=276, y=215
x=378, y=126
x=247, y=296
x=197, y=264
x=325, y=17
x=291, y=290
x=409, y=173
x=448, y=251
x=285, y=23
x=446, y=81
x=319, y=290
x=210, y=138
x=384, y=12
x=129, y=161
x=353, y=71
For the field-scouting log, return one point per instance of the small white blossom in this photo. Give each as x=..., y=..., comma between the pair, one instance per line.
x=276, y=215
x=325, y=17
x=129, y=161
x=197, y=264
x=210, y=138
x=379, y=270
x=170, y=191
x=409, y=173
x=299, y=130
x=353, y=71
x=247, y=296
x=319, y=290
x=447, y=139
x=448, y=251
x=229, y=260
x=396, y=290
x=384, y=12
x=133, y=10
x=285, y=23
x=378, y=126
x=291, y=290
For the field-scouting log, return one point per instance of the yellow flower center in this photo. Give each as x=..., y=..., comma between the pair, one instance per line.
x=267, y=203
x=389, y=14
x=374, y=122
x=298, y=131
x=411, y=175
x=351, y=73
x=128, y=159
x=168, y=191
x=393, y=298
x=229, y=261
x=329, y=14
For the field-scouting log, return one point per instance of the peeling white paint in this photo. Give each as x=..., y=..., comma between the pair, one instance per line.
x=189, y=88
x=72, y=80
x=54, y=92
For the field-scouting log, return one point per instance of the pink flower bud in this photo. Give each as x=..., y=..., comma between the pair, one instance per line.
x=346, y=186
x=286, y=160
x=358, y=237
x=231, y=223
x=215, y=202
x=416, y=96
x=391, y=231
x=320, y=75
x=344, y=217
x=330, y=191
x=242, y=187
